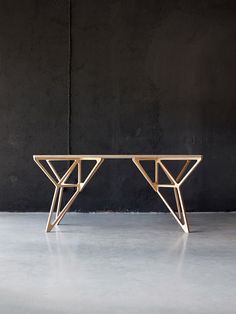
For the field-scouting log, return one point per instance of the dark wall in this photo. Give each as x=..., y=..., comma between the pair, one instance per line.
x=147, y=77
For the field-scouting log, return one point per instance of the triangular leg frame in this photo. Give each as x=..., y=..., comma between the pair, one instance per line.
x=174, y=184
x=60, y=183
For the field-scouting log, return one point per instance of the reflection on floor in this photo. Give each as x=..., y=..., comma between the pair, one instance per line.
x=118, y=264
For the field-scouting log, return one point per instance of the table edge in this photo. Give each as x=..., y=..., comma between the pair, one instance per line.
x=116, y=156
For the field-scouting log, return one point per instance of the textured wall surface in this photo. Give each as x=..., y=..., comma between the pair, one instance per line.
x=155, y=77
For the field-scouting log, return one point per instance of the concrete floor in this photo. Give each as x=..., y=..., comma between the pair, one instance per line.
x=117, y=264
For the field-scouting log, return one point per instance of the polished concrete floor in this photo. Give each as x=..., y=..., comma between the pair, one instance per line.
x=118, y=264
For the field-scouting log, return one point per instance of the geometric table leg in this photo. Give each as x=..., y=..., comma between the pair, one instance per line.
x=174, y=184
x=181, y=218
x=55, y=202
x=60, y=184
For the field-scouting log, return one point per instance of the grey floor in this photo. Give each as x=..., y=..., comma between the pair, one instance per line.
x=117, y=263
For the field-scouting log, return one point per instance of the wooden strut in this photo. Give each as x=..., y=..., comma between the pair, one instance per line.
x=60, y=183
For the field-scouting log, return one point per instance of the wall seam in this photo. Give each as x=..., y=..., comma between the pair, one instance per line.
x=69, y=14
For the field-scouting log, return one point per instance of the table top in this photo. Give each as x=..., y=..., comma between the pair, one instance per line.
x=71, y=157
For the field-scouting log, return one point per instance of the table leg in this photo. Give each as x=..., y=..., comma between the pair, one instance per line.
x=60, y=184
x=59, y=217
x=181, y=217
x=174, y=184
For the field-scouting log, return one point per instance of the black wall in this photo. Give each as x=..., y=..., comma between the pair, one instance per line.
x=147, y=77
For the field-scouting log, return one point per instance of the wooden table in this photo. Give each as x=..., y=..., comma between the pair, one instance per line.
x=46, y=163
